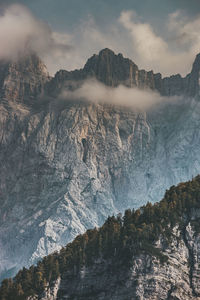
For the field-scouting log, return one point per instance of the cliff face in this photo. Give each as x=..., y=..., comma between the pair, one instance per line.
x=23, y=80
x=66, y=166
x=66, y=171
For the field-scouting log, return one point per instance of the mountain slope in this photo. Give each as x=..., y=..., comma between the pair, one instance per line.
x=150, y=253
x=66, y=166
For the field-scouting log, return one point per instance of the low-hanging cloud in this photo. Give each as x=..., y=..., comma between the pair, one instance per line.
x=21, y=32
x=96, y=92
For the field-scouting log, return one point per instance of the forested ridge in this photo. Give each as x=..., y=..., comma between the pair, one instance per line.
x=119, y=240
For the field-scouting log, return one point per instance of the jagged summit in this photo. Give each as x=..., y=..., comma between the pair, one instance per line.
x=107, y=67
x=23, y=80
x=28, y=78
x=114, y=69
x=111, y=68
x=105, y=52
x=107, y=56
x=196, y=64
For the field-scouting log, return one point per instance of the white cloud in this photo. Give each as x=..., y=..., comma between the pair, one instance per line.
x=138, y=40
x=185, y=32
x=96, y=92
x=21, y=32
x=147, y=43
x=168, y=56
x=87, y=38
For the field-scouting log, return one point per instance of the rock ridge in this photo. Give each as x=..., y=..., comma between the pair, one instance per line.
x=112, y=70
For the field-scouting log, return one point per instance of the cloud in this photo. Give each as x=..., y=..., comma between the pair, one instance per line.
x=150, y=50
x=185, y=32
x=147, y=43
x=21, y=32
x=96, y=92
x=172, y=53
x=87, y=38
x=168, y=56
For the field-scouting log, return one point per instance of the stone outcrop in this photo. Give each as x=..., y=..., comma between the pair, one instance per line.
x=23, y=81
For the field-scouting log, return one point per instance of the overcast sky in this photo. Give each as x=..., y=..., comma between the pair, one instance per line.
x=67, y=13
x=162, y=35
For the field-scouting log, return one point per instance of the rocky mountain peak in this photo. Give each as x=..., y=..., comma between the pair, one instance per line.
x=111, y=68
x=107, y=67
x=192, y=80
x=23, y=80
x=114, y=69
x=106, y=52
x=196, y=64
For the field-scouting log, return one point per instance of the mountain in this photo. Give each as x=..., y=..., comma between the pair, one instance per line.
x=150, y=253
x=23, y=81
x=67, y=165
x=112, y=70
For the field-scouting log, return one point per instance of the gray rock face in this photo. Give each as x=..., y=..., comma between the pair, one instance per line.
x=66, y=166
x=23, y=80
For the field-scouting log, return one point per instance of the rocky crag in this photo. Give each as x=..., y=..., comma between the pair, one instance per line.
x=66, y=166
x=112, y=70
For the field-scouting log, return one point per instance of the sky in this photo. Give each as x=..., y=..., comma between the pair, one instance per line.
x=162, y=35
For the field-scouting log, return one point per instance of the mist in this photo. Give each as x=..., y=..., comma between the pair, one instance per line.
x=22, y=33
x=96, y=92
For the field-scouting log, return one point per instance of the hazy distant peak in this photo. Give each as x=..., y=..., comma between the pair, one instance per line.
x=23, y=80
